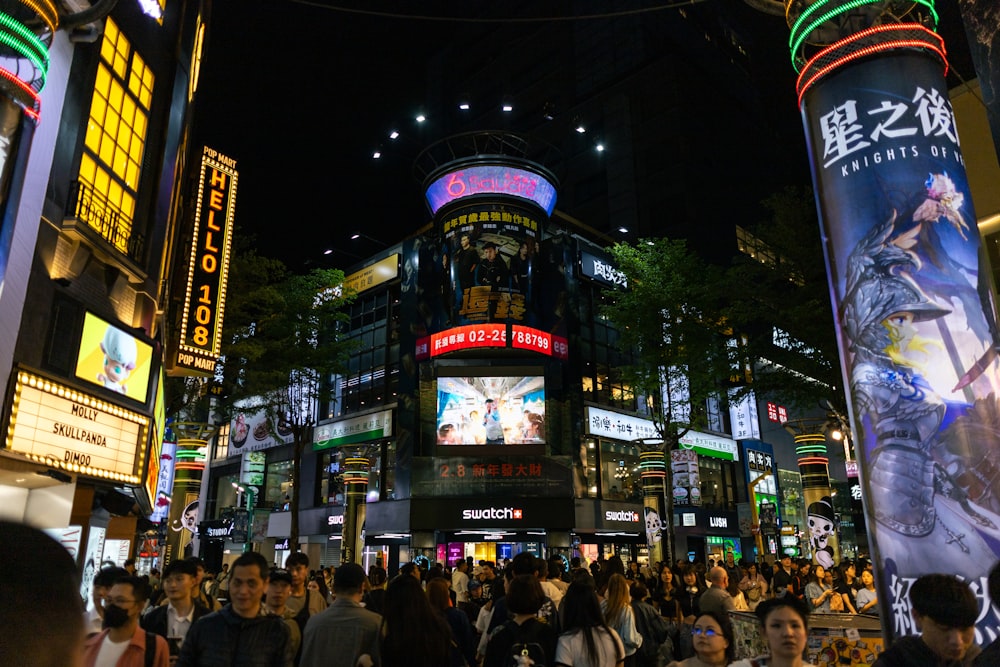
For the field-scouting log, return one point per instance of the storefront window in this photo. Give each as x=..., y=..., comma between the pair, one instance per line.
x=587, y=469
x=331, y=481
x=225, y=493
x=620, y=471
x=277, y=484
x=717, y=484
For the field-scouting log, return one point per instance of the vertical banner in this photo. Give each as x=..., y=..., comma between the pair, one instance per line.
x=917, y=330
x=652, y=474
x=685, y=477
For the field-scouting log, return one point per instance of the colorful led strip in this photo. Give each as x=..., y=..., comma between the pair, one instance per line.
x=28, y=48
x=22, y=93
x=46, y=11
x=15, y=36
x=932, y=42
x=798, y=36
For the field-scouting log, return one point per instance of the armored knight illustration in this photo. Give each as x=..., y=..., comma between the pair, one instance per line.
x=924, y=514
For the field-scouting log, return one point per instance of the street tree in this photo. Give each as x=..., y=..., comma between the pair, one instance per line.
x=284, y=341
x=780, y=307
x=669, y=317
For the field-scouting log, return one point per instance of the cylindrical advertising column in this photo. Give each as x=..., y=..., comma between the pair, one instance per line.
x=916, y=322
x=653, y=476
x=184, y=506
x=814, y=466
x=356, y=489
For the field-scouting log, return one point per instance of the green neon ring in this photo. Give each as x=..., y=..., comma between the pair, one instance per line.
x=11, y=36
x=794, y=42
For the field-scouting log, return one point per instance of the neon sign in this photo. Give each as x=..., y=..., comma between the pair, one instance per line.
x=491, y=179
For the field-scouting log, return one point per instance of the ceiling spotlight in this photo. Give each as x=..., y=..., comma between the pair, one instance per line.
x=394, y=134
x=623, y=230
x=420, y=118
x=355, y=236
x=581, y=129
x=548, y=111
x=328, y=251
x=376, y=155
x=600, y=148
x=464, y=106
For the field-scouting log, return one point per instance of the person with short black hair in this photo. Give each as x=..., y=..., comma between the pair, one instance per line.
x=240, y=634
x=784, y=624
x=524, y=632
x=944, y=611
x=991, y=654
x=123, y=643
x=102, y=581
x=173, y=620
x=344, y=631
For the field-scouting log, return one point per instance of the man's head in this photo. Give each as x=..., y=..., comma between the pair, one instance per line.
x=125, y=602
x=730, y=559
x=461, y=565
x=39, y=635
x=786, y=562
x=250, y=576
x=349, y=580
x=200, y=564
x=523, y=563
x=103, y=580
x=475, y=589
x=944, y=610
x=298, y=564
x=490, y=251
x=719, y=577
x=279, y=587
x=179, y=578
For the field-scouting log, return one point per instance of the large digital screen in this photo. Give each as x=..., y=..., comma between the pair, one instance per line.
x=491, y=179
x=491, y=410
x=114, y=359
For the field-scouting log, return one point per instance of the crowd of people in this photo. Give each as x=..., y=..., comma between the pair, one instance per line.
x=527, y=611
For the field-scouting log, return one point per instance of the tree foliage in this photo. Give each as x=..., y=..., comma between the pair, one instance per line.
x=283, y=342
x=785, y=286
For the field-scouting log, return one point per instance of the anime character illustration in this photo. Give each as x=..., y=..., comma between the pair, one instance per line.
x=918, y=467
x=120, y=355
x=821, y=527
x=188, y=520
x=654, y=526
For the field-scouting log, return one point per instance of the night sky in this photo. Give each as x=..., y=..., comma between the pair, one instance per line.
x=300, y=95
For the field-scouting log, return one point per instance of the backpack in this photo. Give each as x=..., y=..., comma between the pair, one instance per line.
x=526, y=649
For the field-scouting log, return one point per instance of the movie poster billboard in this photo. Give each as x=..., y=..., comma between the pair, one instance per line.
x=916, y=324
x=493, y=410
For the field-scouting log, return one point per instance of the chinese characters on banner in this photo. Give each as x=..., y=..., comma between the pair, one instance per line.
x=917, y=332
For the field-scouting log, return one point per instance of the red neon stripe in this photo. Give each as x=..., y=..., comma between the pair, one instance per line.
x=813, y=460
x=28, y=90
x=869, y=50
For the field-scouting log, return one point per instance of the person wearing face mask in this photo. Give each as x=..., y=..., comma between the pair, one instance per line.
x=123, y=643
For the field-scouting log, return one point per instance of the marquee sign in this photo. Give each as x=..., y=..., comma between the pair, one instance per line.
x=492, y=334
x=208, y=269
x=58, y=426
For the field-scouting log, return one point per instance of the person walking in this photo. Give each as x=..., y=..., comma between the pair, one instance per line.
x=123, y=643
x=618, y=614
x=587, y=640
x=525, y=636
x=461, y=630
x=343, y=632
x=717, y=598
x=412, y=634
x=173, y=620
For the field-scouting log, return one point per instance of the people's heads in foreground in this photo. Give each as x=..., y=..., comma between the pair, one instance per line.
x=944, y=611
x=713, y=638
x=784, y=622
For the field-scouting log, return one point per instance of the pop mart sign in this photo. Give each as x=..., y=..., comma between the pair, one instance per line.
x=706, y=444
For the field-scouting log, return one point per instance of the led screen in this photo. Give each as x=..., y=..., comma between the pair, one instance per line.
x=114, y=359
x=492, y=410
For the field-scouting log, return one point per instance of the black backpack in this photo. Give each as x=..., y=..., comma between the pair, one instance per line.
x=526, y=649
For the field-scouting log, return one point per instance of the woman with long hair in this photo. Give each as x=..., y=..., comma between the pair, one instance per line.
x=754, y=586
x=525, y=634
x=618, y=614
x=612, y=566
x=318, y=585
x=714, y=642
x=819, y=591
x=439, y=595
x=691, y=592
x=665, y=594
x=586, y=640
x=412, y=633
x=784, y=624
x=846, y=586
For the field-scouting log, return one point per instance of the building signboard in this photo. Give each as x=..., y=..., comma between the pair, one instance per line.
x=208, y=268
x=707, y=444
x=374, y=426
x=607, y=424
x=58, y=426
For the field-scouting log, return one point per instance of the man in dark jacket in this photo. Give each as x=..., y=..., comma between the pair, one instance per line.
x=240, y=633
x=944, y=611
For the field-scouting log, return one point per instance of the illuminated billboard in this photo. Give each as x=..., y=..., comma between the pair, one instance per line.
x=491, y=410
x=58, y=426
x=472, y=336
x=208, y=268
x=111, y=358
x=491, y=179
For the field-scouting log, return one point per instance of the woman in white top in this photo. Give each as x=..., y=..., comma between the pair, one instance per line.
x=618, y=614
x=586, y=641
x=785, y=625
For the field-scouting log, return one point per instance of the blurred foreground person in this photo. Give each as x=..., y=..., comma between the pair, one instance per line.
x=39, y=569
x=991, y=654
x=944, y=611
x=413, y=635
x=784, y=623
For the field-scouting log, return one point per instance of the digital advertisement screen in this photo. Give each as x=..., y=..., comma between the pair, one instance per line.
x=491, y=180
x=491, y=410
x=114, y=359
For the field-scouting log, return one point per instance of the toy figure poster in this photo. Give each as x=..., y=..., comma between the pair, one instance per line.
x=114, y=359
x=916, y=323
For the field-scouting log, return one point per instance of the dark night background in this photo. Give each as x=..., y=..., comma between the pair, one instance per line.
x=302, y=93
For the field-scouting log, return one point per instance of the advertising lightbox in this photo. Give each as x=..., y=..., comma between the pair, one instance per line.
x=491, y=410
x=114, y=359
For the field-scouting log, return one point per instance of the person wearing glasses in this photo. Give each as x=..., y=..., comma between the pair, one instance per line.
x=714, y=643
x=123, y=643
x=784, y=623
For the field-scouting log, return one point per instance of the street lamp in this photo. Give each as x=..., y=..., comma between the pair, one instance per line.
x=359, y=235
x=251, y=497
